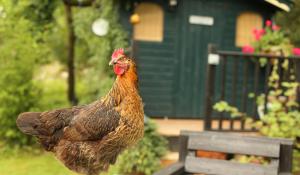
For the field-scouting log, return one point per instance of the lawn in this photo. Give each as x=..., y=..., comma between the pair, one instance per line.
x=32, y=164
x=35, y=162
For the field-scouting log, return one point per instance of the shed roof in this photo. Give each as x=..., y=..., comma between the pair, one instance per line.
x=282, y=4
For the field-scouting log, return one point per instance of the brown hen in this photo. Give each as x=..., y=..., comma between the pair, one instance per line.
x=87, y=139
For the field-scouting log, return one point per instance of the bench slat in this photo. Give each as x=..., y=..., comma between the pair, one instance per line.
x=222, y=167
x=235, y=145
x=282, y=141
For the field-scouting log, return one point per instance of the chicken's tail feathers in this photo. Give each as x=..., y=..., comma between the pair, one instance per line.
x=28, y=121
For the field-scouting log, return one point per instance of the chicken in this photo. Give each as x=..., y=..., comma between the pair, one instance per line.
x=87, y=139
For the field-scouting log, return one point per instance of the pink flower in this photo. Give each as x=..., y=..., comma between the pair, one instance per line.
x=248, y=49
x=275, y=27
x=296, y=51
x=268, y=23
x=257, y=36
x=258, y=33
x=262, y=31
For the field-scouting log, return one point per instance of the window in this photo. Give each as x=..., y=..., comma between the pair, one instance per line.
x=245, y=24
x=151, y=23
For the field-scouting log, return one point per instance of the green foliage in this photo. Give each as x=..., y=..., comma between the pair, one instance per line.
x=273, y=42
x=93, y=75
x=145, y=156
x=94, y=52
x=19, y=53
x=33, y=34
x=290, y=22
x=283, y=117
x=223, y=106
x=270, y=40
x=251, y=159
x=40, y=12
x=52, y=79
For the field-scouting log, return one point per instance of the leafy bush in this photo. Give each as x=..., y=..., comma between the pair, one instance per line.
x=144, y=158
x=290, y=22
x=283, y=116
x=52, y=79
x=40, y=12
x=19, y=52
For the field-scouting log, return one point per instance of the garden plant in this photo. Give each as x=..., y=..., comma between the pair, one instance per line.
x=282, y=116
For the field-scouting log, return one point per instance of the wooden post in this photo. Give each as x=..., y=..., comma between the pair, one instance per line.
x=297, y=70
x=183, y=151
x=210, y=86
x=71, y=53
x=286, y=158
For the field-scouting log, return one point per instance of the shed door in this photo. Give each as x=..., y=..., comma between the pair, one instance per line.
x=197, y=32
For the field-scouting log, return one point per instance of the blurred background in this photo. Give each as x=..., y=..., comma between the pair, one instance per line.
x=55, y=53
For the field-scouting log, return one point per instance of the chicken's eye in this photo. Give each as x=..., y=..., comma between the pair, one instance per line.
x=122, y=58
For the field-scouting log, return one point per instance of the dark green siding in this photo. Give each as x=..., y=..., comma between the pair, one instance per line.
x=193, y=48
x=157, y=66
x=172, y=72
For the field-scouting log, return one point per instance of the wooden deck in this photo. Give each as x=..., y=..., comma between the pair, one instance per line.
x=172, y=127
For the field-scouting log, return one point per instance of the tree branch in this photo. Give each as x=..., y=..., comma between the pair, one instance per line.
x=71, y=54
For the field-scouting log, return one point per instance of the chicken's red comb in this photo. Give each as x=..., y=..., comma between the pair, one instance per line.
x=117, y=52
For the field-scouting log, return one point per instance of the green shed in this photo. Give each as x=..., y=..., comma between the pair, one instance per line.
x=171, y=42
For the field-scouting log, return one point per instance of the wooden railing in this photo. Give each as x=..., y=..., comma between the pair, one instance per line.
x=232, y=76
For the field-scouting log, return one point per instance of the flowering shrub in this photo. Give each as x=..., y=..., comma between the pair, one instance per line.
x=281, y=120
x=282, y=116
x=270, y=40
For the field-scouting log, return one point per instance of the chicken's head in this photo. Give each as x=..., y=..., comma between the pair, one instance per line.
x=120, y=62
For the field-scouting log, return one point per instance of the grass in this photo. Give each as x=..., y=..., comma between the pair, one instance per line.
x=32, y=164
x=34, y=161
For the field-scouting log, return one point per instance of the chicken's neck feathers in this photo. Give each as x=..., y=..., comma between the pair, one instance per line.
x=123, y=86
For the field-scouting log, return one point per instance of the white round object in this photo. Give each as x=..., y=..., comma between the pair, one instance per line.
x=100, y=27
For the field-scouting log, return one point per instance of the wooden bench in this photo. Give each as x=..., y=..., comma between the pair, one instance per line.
x=279, y=151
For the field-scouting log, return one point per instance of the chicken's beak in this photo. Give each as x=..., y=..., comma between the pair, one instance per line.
x=115, y=60
x=112, y=62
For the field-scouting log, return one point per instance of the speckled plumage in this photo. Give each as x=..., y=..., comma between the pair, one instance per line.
x=87, y=139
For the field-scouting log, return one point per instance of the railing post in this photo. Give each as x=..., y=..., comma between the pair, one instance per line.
x=210, y=85
x=286, y=158
x=297, y=71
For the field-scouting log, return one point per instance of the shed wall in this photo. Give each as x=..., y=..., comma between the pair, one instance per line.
x=162, y=80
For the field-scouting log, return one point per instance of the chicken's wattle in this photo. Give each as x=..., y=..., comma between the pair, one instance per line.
x=120, y=69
